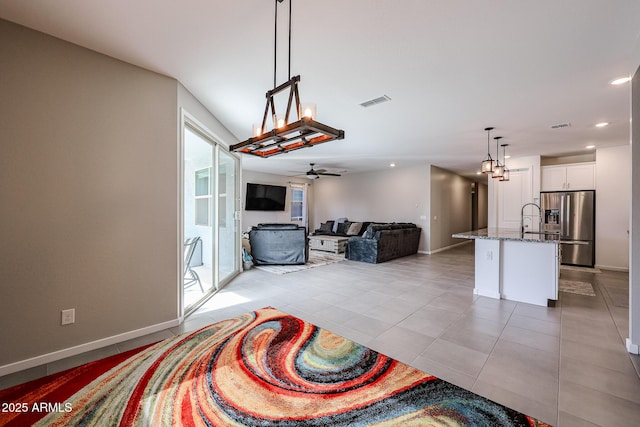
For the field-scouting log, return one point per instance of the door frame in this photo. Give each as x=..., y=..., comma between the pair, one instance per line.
x=188, y=120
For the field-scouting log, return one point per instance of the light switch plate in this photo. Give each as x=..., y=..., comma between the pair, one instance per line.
x=68, y=316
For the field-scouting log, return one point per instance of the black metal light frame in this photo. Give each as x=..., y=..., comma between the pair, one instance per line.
x=305, y=132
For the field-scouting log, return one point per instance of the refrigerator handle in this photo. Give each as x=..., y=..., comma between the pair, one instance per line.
x=568, y=214
x=562, y=214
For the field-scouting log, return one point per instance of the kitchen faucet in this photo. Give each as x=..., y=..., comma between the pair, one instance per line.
x=522, y=216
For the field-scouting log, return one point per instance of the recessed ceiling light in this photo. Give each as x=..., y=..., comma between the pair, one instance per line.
x=589, y=147
x=507, y=157
x=393, y=165
x=620, y=81
x=601, y=125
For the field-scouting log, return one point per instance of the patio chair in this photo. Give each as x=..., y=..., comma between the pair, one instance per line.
x=190, y=276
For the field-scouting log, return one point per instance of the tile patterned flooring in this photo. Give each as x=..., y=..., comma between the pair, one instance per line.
x=565, y=365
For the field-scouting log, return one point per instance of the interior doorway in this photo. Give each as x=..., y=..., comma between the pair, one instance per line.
x=211, y=255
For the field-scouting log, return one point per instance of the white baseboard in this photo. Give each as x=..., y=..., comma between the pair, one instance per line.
x=82, y=348
x=632, y=348
x=485, y=293
x=446, y=248
x=608, y=267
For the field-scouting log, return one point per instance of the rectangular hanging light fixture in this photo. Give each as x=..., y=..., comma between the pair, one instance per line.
x=286, y=136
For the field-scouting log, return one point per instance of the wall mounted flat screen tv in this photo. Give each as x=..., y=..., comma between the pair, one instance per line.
x=261, y=197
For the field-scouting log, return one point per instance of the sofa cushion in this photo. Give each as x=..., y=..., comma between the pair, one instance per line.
x=354, y=229
x=338, y=221
x=326, y=227
x=343, y=227
x=368, y=234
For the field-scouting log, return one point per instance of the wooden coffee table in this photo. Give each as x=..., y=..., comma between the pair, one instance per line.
x=335, y=244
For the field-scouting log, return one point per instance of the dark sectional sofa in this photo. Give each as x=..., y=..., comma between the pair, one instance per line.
x=374, y=242
x=384, y=242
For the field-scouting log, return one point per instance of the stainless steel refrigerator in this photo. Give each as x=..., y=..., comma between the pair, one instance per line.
x=573, y=214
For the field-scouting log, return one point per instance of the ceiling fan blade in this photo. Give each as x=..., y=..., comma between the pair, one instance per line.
x=328, y=174
x=320, y=170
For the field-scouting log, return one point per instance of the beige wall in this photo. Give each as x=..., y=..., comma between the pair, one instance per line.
x=88, y=190
x=411, y=194
x=398, y=194
x=482, y=194
x=451, y=208
x=194, y=110
x=612, y=207
x=252, y=218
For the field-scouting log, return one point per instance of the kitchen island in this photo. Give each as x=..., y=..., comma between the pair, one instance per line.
x=516, y=266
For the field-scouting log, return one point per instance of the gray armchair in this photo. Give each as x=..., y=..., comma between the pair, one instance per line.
x=279, y=244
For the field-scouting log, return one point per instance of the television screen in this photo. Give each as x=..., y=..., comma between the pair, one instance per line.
x=261, y=197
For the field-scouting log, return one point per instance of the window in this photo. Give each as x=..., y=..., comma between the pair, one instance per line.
x=203, y=196
x=297, y=202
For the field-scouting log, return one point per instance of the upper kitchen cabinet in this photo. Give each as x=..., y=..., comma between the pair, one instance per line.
x=579, y=176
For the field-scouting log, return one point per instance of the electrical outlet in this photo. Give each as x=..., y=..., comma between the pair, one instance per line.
x=68, y=316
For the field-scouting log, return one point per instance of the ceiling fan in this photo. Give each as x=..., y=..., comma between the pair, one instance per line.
x=315, y=173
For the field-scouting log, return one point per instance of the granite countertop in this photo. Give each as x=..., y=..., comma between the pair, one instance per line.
x=507, y=234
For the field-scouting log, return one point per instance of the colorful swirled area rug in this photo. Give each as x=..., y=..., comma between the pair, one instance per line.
x=265, y=368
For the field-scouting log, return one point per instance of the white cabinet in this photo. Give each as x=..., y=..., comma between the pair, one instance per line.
x=579, y=176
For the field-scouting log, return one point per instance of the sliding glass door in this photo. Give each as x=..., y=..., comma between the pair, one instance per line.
x=210, y=217
x=228, y=217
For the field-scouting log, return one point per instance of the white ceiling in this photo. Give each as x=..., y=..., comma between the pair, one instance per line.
x=450, y=67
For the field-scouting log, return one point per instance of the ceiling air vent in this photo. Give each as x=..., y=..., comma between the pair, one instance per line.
x=561, y=125
x=375, y=101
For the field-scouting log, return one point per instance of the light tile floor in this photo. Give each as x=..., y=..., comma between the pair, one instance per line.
x=565, y=365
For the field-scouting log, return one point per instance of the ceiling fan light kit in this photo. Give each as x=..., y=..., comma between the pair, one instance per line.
x=286, y=136
x=315, y=173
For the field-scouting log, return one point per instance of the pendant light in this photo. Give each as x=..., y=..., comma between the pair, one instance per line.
x=286, y=135
x=498, y=170
x=487, y=164
x=505, y=170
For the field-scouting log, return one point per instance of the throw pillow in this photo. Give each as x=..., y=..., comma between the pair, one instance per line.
x=326, y=227
x=338, y=221
x=343, y=227
x=369, y=233
x=354, y=229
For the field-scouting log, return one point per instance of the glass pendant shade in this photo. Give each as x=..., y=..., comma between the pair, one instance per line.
x=309, y=111
x=505, y=174
x=498, y=169
x=505, y=170
x=488, y=163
